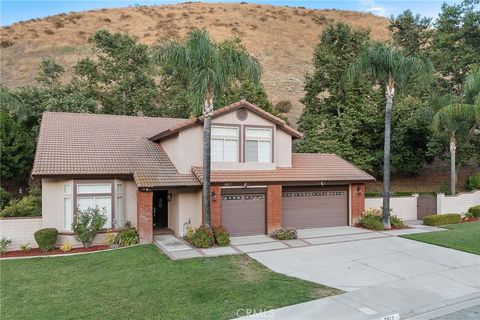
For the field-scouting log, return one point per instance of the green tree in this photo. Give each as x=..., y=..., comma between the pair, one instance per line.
x=121, y=76
x=390, y=68
x=411, y=32
x=50, y=73
x=207, y=68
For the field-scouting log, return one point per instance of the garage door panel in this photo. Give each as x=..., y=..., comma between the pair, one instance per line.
x=315, y=208
x=244, y=214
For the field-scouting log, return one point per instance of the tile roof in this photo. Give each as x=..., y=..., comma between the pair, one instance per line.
x=313, y=167
x=237, y=105
x=94, y=144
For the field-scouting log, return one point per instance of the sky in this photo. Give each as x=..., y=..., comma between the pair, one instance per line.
x=18, y=10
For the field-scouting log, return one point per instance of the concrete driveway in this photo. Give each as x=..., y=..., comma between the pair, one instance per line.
x=380, y=275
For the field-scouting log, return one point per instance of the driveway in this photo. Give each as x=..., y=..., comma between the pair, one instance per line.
x=381, y=274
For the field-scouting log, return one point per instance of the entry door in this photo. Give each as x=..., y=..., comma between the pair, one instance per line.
x=160, y=209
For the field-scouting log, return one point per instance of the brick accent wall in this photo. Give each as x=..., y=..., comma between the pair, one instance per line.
x=358, y=201
x=216, y=206
x=274, y=207
x=145, y=216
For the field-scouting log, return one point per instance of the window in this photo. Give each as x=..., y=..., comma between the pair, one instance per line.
x=67, y=207
x=258, y=145
x=97, y=195
x=224, y=144
x=119, y=220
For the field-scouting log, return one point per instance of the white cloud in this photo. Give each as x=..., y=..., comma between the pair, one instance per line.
x=374, y=8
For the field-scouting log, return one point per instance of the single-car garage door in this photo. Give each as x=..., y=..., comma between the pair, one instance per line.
x=244, y=213
x=315, y=207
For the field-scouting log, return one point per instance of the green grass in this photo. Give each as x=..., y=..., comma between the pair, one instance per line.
x=463, y=237
x=142, y=283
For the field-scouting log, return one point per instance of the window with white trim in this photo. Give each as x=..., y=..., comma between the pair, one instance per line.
x=96, y=195
x=224, y=144
x=119, y=220
x=67, y=207
x=258, y=145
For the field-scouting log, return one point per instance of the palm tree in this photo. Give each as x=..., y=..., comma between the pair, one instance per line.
x=456, y=119
x=207, y=68
x=391, y=68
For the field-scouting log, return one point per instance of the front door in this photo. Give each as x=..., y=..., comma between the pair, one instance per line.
x=160, y=209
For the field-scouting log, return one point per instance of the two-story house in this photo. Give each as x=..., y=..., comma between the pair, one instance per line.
x=148, y=171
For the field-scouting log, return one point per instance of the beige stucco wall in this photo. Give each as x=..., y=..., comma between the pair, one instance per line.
x=53, y=195
x=20, y=231
x=185, y=149
x=184, y=208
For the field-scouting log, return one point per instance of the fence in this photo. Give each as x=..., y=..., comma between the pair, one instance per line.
x=20, y=230
x=403, y=207
x=458, y=203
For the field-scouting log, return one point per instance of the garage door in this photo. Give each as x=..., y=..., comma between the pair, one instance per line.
x=244, y=214
x=314, y=208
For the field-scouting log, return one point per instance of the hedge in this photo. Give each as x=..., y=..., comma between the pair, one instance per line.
x=441, y=219
x=46, y=238
x=474, y=211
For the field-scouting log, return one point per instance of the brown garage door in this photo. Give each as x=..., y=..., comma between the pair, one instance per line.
x=244, y=214
x=315, y=207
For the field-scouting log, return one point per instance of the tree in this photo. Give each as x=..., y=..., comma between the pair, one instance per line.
x=121, y=79
x=411, y=32
x=457, y=120
x=208, y=69
x=391, y=68
x=50, y=73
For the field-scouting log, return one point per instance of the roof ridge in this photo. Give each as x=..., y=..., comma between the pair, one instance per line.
x=110, y=115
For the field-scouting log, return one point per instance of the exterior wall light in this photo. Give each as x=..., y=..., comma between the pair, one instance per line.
x=214, y=196
x=169, y=196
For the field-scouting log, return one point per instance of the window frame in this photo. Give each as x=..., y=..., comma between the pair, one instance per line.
x=112, y=196
x=271, y=140
x=239, y=138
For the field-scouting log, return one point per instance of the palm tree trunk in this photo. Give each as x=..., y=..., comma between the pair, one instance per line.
x=207, y=113
x=453, y=174
x=386, y=158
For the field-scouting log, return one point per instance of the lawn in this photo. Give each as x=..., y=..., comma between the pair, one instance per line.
x=142, y=283
x=462, y=236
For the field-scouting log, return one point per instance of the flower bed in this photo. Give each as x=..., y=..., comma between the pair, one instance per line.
x=56, y=251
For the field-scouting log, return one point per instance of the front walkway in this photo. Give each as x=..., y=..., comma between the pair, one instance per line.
x=177, y=248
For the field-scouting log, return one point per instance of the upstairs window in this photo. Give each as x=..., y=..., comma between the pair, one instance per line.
x=258, y=145
x=224, y=144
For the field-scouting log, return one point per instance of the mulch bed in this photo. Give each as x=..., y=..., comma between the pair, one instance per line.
x=472, y=219
x=38, y=252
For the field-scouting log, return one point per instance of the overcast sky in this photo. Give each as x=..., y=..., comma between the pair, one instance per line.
x=18, y=10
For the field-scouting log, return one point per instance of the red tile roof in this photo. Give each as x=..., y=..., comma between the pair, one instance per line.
x=237, y=105
x=306, y=167
x=73, y=144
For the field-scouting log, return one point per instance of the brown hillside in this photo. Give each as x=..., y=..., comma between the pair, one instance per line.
x=282, y=38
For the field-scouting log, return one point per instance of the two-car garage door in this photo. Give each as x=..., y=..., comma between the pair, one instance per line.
x=314, y=207
x=243, y=210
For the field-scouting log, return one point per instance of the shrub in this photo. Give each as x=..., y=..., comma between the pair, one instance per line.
x=4, y=243
x=396, y=222
x=222, y=237
x=441, y=219
x=371, y=221
x=474, y=211
x=285, y=233
x=66, y=246
x=189, y=234
x=29, y=206
x=46, y=238
x=284, y=106
x=5, y=198
x=374, y=211
x=127, y=237
x=202, y=237
x=88, y=224
x=473, y=182
x=25, y=247
x=110, y=239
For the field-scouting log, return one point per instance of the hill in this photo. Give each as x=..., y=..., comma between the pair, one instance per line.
x=282, y=38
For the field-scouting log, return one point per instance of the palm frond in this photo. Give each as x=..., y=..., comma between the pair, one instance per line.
x=471, y=88
x=456, y=117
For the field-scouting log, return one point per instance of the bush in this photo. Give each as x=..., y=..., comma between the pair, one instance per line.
x=441, y=219
x=46, y=238
x=396, y=222
x=66, y=246
x=88, y=224
x=127, y=237
x=222, y=237
x=285, y=233
x=474, y=182
x=5, y=198
x=202, y=237
x=475, y=211
x=371, y=221
x=29, y=206
x=25, y=247
x=4, y=243
x=284, y=106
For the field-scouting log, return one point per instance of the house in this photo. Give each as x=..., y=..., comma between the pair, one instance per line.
x=147, y=171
